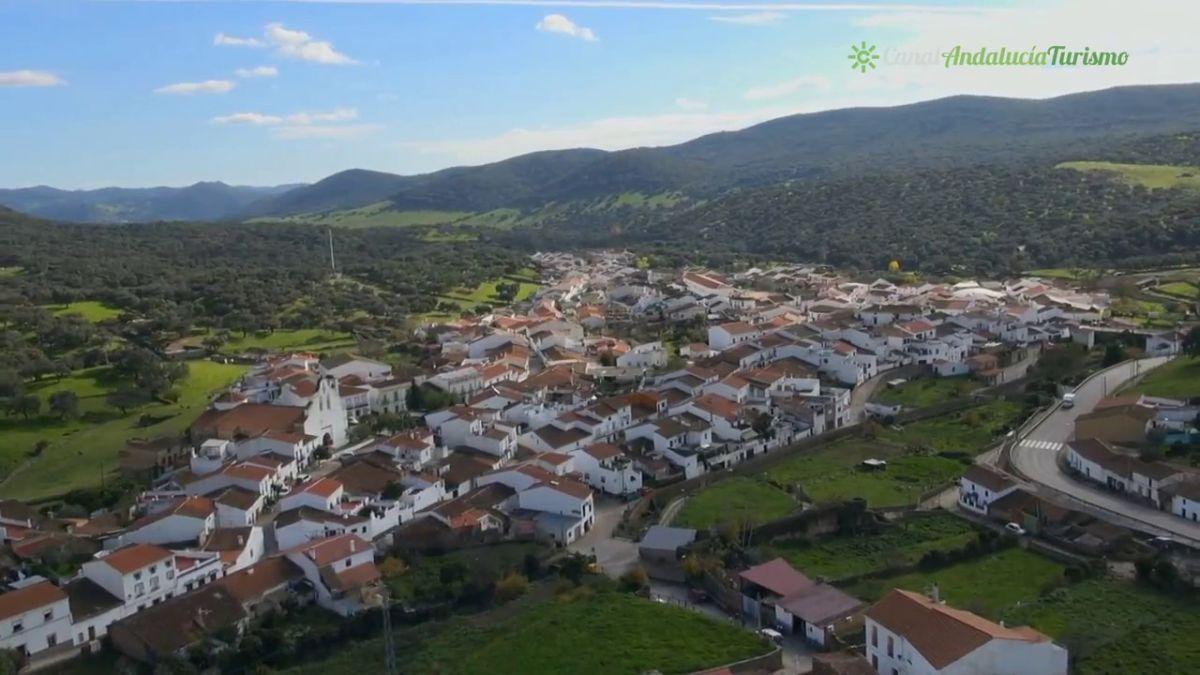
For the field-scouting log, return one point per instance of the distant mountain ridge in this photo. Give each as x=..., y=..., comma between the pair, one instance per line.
x=942, y=134
x=938, y=134
x=200, y=201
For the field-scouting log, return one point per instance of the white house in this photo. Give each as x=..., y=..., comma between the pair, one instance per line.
x=341, y=569
x=1185, y=499
x=139, y=575
x=322, y=493
x=910, y=634
x=980, y=486
x=607, y=469
x=726, y=335
x=34, y=617
x=189, y=520
x=648, y=355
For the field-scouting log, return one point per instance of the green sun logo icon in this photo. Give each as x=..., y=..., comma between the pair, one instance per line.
x=863, y=57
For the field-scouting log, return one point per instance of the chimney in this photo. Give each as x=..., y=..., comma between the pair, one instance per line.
x=352, y=546
x=241, y=540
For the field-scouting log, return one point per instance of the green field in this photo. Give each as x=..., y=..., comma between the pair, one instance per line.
x=88, y=309
x=379, y=214
x=987, y=586
x=901, y=543
x=1182, y=289
x=485, y=294
x=969, y=431
x=1153, y=176
x=834, y=473
x=641, y=200
x=927, y=391
x=80, y=449
x=736, y=500
x=1178, y=378
x=311, y=339
x=10, y=271
x=1112, y=626
x=1071, y=274
x=603, y=634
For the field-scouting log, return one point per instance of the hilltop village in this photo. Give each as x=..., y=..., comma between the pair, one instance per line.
x=601, y=424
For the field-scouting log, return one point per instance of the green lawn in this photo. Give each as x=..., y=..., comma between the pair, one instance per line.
x=1183, y=289
x=1153, y=176
x=1113, y=626
x=1178, y=378
x=603, y=634
x=927, y=391
x=969, y=431
x=1073, y=274
x=79, y=449
x=88, y=309
x=738, y=500
x=834, y=473
x=379, y=214
x=485, y=294
x=313, y=339
x=901, y=543
x=1135, y=307
x=987, y=586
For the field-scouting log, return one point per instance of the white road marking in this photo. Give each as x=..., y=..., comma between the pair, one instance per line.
x=1040, y=445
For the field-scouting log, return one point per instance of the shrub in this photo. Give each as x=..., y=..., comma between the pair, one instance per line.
x=511, y=587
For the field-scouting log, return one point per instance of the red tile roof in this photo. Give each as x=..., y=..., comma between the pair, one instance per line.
x=134, y=557
x=778, y=577
x=941, y=634
x=29, y=598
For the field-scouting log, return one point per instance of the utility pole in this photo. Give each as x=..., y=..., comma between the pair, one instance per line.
x=332, y=263
x=389, y=642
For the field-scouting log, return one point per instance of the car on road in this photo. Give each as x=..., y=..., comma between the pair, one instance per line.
x=1163, y=543
x=1015, y=529
x=771, y=634
x=1068, y=399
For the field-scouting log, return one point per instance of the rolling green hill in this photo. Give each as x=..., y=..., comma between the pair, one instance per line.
x=960, y=131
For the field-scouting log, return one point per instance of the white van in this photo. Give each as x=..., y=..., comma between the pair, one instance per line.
x=1068, y=400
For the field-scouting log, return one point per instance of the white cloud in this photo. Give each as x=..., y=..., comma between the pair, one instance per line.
x=296, y=44
x=557, y=23
x=252, y=118
x=257, y=71
x=690, y=103
x=189, y=88
x=751, y=19
x=335, y=115
x=305, y=125
x=223, y=40
x=302, y=132
x=29, y=78
x=787, y=88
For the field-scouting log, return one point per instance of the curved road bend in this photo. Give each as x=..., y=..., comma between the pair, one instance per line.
x=1035, y=456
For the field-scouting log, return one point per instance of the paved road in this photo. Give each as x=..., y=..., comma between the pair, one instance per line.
x=861, y=395
x=615, y=556
x=1036, y=457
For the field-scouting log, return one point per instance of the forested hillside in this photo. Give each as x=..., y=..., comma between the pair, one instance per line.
x=959, y=131
x=234, y=276
x=991, y=219
x=201, y=201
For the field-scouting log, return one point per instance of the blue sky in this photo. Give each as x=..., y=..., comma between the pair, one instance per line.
x=145, y=93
